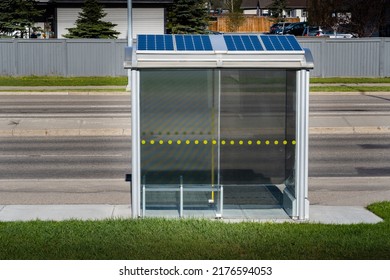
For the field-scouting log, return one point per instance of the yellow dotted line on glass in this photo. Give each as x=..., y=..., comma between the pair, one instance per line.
x=214, y=142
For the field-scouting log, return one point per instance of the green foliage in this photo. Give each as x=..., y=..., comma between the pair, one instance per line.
x=195, y=239
x=188, y=17
x=277, y=7
x=90, y=24
x=18, y=15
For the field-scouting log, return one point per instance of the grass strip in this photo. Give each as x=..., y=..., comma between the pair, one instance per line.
x=195, y=239
x=349, y=80
x=349, y=88
x=62, y=81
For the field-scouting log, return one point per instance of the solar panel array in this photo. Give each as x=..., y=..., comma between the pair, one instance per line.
x=193, y=43
x=155, y=42
x=243, y=43
x=236, y=42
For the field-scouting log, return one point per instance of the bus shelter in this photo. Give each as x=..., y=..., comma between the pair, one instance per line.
x=219, y=126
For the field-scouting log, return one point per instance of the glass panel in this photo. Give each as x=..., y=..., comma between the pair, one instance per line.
x=178, y=123
x=290, y=131
x=253, y=136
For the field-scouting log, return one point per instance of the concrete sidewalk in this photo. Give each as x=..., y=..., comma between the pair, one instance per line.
x=318, y=213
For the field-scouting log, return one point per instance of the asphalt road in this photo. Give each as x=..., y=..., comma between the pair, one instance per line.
x=92, y=169
x=71, y=106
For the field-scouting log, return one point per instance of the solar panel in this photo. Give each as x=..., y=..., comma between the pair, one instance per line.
x=233, y=42
x=193, y=43
x=280, y=43
x=242, y=43
x=155, y=42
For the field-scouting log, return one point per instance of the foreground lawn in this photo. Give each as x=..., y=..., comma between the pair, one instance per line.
x=195, y=239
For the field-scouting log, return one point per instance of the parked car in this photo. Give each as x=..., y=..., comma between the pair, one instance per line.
x=278, y=28
x=295, y=28
x=333, y=34
x=312, y=31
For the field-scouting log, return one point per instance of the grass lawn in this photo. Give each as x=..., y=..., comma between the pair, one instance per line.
x=62, y=81
x=195, y=239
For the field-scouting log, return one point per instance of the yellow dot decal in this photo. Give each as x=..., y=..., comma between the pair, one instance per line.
x=170, y=142
x=241, y=142
x=196, y=142
x=285, y=142
x=143, y=142
x=276, y=142
x=249, y=142
x=161, y=142
x=258, y=142
x=214, y=142
x=205, y=142
x=178, y=142
x=293, y=142
x=152, y=142
x=188, y=142
x=267, y=142
x=223, y=142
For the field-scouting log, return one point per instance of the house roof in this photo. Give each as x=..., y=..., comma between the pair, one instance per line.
x=264, y=4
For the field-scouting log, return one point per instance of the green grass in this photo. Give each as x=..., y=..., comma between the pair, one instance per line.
x=62, y=81
x=195, y=239
x=348, y=80
x=349, y=88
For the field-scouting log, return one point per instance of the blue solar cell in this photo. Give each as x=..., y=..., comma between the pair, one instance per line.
x=169, y=42
x=141, y=42
x=229, y=43
x=256, y=43
x=206, y=43
x=180, y=43
x=248, y=43
x=286, y=44
x=276, y=43
x=267, y=43
x=160, y=42
x=294, y=43
x=198, y=43
x=150, y=42
x=189, y=44
x=238, y=42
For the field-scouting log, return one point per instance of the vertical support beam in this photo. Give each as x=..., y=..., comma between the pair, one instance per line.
x=135, y=146
x=302, y=140
x=143, y=200
x=181, y=207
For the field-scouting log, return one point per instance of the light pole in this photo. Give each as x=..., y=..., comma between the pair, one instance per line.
x=129, y=37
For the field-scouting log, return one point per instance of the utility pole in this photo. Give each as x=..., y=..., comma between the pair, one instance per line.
x=129, y=37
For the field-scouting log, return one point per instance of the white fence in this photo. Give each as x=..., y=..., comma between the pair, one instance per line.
x=368, y=57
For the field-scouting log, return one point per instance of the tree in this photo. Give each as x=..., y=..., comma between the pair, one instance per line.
x=188, y=16
x=18, y=16
x=90, y=24
x=235, y=16
x=357, y=16
x=277, y=7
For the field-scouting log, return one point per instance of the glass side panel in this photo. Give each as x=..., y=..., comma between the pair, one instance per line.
x=178, y=128
x=253, y=136
x=290, y=130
